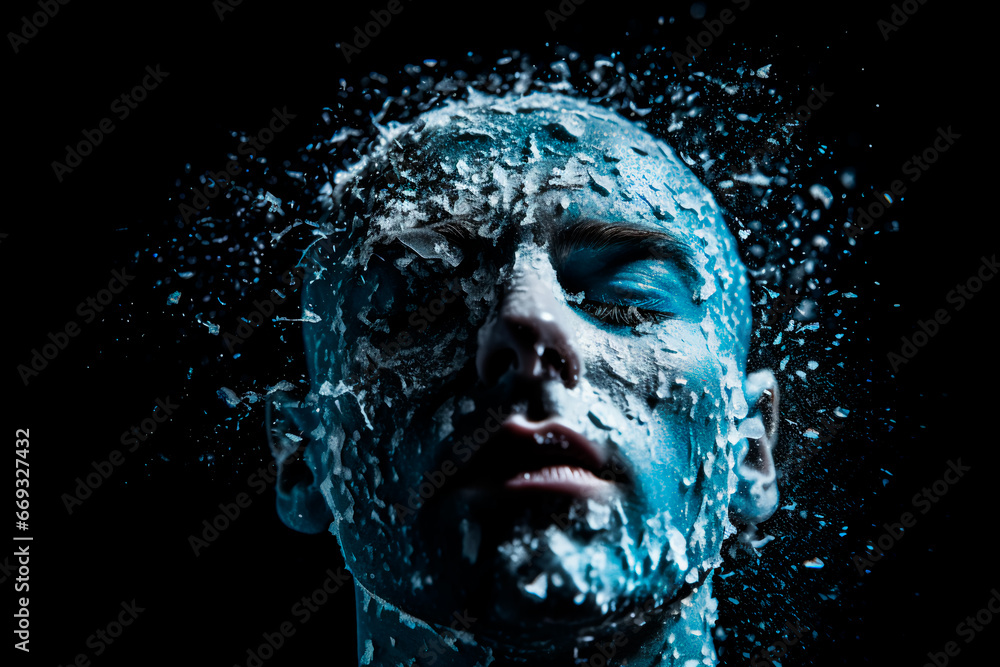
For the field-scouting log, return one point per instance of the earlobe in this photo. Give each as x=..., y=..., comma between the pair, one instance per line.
x=756, y=496
x=292, y=426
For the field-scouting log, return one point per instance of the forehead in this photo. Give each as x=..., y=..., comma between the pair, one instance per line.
x=542, y=163
x=542, y=160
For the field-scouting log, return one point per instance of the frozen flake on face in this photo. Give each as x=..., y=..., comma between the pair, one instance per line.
x=692, y=202
x=539, y=587
x=443, y=418
x=733, y=382
x=430, y=245
x=598, y=515
x=574, y=560
x=708, y=276
x=652, y=546
x=515, y=552
x=508, y=187
x=602, y=416
x=568, y=128
x=533, y=148
x=574, y=175
x=602, y=185
x=366, y=658
x=678, y=547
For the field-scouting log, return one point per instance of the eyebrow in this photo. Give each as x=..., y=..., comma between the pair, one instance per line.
x=619, y=241
x=624, y=241
x=457, y=231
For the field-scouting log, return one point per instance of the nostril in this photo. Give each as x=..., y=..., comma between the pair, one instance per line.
x=535, y=348
x=524, y=334
x=566, y=368
x=570, y=375
x=552, y=359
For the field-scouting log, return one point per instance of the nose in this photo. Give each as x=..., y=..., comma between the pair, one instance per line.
x=529, y=335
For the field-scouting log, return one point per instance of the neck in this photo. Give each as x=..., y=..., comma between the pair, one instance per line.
x=661, y=637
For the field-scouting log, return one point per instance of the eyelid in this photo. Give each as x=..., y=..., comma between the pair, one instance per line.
x=619, y=243
x=624, y=316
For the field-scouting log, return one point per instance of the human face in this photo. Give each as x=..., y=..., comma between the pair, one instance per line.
x=531, y=368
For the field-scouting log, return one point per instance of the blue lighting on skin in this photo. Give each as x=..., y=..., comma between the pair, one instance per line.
x=659, y=341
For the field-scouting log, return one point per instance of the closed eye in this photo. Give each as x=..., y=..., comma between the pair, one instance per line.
x=628, y=276
x=639, y=292
x=622, y=315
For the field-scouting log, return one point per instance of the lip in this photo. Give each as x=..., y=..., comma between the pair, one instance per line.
x=543, y=457
x=569, y=480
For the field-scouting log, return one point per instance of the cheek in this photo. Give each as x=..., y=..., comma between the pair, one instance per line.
x=681, y=450
x=672, y=366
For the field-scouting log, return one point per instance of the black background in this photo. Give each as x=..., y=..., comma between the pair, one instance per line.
x=63, y=239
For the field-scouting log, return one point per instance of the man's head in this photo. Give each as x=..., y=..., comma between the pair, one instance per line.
x=528, y=361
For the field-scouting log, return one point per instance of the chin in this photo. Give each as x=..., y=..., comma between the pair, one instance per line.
x=552, y=582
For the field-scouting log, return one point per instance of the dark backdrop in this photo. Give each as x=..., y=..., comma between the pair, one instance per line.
x=63, y=240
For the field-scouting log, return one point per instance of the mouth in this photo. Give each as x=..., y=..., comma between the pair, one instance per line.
x=545, y=457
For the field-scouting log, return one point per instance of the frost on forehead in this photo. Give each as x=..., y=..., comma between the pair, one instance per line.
x=527, y=157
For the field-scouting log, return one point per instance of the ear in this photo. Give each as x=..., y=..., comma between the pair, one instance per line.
x=292, y=427
x=756, y=496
